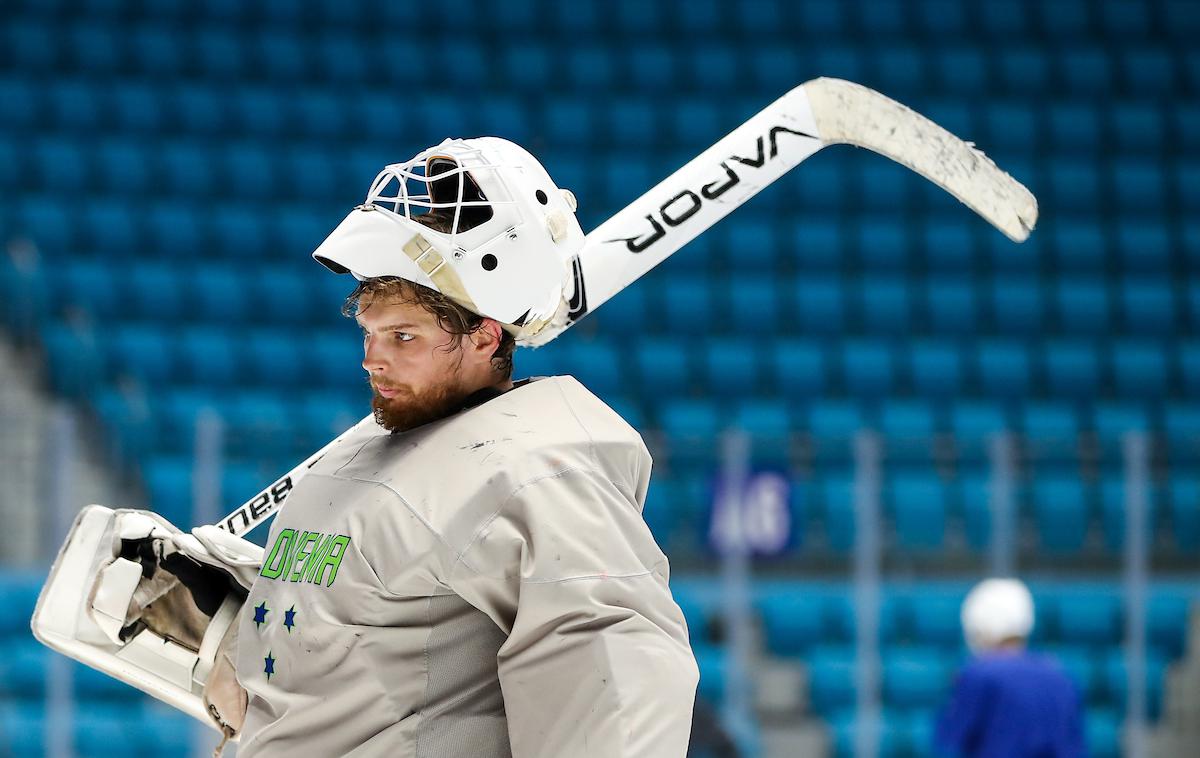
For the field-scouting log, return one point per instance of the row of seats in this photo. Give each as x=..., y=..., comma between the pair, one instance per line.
x=910, y=734
x=923, y=513
x=564, y=120
x=999, y=20
x=530, y=64
x=104, y=729
x=213, y=356
x=952, y=244
x=1087, y=615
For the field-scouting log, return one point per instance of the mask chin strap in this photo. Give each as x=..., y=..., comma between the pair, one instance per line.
x=444, y=277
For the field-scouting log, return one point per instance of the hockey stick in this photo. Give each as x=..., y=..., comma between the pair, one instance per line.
x=262, y=506
x=816, y=114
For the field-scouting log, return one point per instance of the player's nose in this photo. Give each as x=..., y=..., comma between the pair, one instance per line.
x=373, y=357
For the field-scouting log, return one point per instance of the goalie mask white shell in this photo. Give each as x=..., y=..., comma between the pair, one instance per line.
x=506, y=234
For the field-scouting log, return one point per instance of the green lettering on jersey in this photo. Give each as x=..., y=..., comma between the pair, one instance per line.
x=303, y=555
x=272, y=568
x=332, y=560
x=306, y=556
x=316, y=558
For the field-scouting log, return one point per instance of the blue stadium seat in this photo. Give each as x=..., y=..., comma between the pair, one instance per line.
x=1023, y=259
x=188, y=170
x=1074, y=127
x=663, y=367
x=631, y=122
x=950, y=306
x=918, y=511
x=1072, y=369
x=1003, y=368
x=1148, y=71
x=1140, y=185
x=1167, y=614
x=1187, y=183
x=948, y=245
x=319, y=115
x=798, y=368
x=93, y=287
x=1075, y=183
x=824, y=186
x=251, y=172
x=820, y=305
x=837, y=511
x=689, y=304
x=19, y=591
x=23, y=102
x=592, y=68
x=1138, y=127
x=935, y=368
x=1139, y=369
x=816, y=243
x=258, y=425
x=239, y=231
x=570, y=122
x=173, y=229
x=731, y=366
x=914, y=678
x=208, y=357
x=1088, y=618
x=867, y=367
x=1112, y=420
x=935, y=618
x=284, y=58
x=24, y=671
x=756, y=300
x=1060, y=513
x=1189, y=367
x=74, y=105
x=143, y=352
x=975, y=502
x=220, y=295
x=899, y=68
x=1078, y=246
x=1082, y=305
x=1085, y=69
x=219, y=55
x=1016, y=305
x=692, y=428
x=123, y=166
x=336, y=358
x=885, y=305
x=1181, y=422
x=1014, y=125
x=1115, y=674
x=1049, y=424
x=1143, y=246
x=975, y=421
x=882, y=242
x=694, y=122
x=908, y=422
x=659, y=514
x=258, y=111
x=597, y=365
x=1147, y=305
x=1112, y=510
x=960, y=70
x=626, y=313
x=168, y=484
x=280, y=295
x=1185, y=512
x=273, y=358
x=323, y=415
x=770, y=425
x=792, y=621
x=711, y=662
x=831, y=678
x=138, y=109
x=1192, y=304
x=1102, y=733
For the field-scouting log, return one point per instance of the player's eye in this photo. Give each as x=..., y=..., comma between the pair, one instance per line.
x=402, y=336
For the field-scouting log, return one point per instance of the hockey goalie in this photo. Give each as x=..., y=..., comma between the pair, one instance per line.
x=466, y=571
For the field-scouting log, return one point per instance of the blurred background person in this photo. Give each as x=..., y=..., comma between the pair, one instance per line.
x=1008, y=701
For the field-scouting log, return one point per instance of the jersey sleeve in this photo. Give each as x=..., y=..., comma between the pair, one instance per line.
x=597, y=660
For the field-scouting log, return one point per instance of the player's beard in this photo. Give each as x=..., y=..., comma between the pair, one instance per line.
x=411, y=409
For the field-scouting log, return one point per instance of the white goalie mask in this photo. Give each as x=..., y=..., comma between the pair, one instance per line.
x=479, y=220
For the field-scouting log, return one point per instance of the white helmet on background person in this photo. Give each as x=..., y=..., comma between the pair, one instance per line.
x=997, y=611
x=479, y=220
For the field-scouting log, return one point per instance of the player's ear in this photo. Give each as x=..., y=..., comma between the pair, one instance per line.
x=487, y=337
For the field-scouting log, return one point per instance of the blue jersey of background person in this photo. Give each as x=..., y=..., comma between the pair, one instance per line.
x=1008, y=702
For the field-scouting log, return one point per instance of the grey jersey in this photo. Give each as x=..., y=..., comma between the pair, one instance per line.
x=480, y=586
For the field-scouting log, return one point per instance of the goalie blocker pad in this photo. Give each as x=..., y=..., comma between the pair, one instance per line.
x=93, y=585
